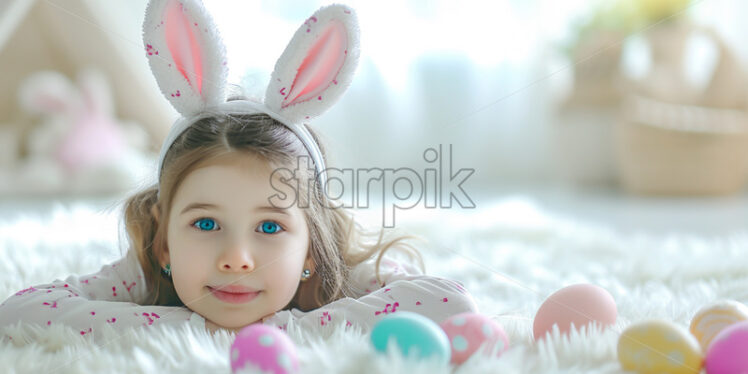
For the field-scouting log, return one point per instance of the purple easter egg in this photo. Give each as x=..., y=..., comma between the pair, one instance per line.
x=468, y=332
x=727, y=352
x=264, y=347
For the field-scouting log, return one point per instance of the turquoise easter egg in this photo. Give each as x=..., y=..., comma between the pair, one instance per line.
x=414, y=335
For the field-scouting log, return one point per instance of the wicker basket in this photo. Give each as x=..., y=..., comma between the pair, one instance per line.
x=675, y=149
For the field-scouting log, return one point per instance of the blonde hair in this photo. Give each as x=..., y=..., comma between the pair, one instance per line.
x=337, y=241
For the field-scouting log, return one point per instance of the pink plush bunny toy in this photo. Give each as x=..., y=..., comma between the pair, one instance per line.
x=90, y=135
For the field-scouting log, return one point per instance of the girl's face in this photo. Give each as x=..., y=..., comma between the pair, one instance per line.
x=223, y=232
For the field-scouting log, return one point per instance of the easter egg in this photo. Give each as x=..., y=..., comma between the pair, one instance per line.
x=713, y=318
x=413, y=334
x=659, y=347
x=579, y=304
x=468, y=332
x=727, y=353
x=264, y=347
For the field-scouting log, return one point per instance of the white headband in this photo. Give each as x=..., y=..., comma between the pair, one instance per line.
x=248, y=107
x=188, y=60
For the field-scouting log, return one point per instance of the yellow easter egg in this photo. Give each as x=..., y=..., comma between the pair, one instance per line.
x=713, y=318
x=659, y=347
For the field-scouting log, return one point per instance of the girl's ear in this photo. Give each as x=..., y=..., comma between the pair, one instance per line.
x=186, y=54
x=163, y=257
x=155, y=212
x=163, y=254
x=309, y=264
x=317, y=65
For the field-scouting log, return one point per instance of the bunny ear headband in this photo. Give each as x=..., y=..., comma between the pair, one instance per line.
x=188, y=59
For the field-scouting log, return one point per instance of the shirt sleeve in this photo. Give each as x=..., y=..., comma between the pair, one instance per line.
x=403, y=288
x=110, y=297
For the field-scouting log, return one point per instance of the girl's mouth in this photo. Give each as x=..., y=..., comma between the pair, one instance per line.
x=233, y=297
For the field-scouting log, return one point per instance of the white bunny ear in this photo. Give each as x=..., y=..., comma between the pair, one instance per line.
x=186, y=54
x=317, y=65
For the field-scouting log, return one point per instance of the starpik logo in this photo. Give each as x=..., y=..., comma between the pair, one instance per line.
x=401, y=188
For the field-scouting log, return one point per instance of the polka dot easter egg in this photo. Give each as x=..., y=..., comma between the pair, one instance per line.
x=659, y=347
x=715, y=317
x=579, y=304
x=727, y=353
x=265, y=348
x=413, y=334
x=468, y=332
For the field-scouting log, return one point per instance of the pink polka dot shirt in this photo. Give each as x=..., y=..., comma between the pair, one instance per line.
x=115, y=295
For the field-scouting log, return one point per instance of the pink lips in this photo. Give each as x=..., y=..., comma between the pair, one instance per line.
x=234, y=294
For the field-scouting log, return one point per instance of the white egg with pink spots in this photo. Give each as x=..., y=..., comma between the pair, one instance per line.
x=265, y=348
x=469, y=332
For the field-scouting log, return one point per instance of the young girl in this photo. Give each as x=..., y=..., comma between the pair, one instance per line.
x=234, y=232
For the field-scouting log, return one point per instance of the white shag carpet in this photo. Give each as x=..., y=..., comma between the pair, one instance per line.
x=510, y=255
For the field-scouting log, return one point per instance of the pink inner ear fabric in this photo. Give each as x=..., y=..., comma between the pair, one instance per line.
x=321, y=64
x=183, y=45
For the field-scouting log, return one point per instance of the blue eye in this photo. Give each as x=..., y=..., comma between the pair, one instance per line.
x=205, y=224
x=270, y=227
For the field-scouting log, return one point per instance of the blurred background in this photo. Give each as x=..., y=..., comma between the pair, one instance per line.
x=629, y=113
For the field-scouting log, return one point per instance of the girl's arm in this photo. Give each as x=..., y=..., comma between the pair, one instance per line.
x=87, y=303
x=403, y=288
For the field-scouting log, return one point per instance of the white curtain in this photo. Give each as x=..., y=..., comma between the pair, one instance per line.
x=480, y=75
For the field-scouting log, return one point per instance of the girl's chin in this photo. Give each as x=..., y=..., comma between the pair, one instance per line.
x=234, y=323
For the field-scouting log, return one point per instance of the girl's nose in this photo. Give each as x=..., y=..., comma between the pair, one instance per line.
x=236, y=258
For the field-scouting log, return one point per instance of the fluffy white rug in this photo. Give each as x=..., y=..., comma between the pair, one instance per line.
x=510, y=256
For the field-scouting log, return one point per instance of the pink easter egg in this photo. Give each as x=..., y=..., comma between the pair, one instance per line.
x=727, y=352
x=468, y=332
x=579, y=304
x=264, y=347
